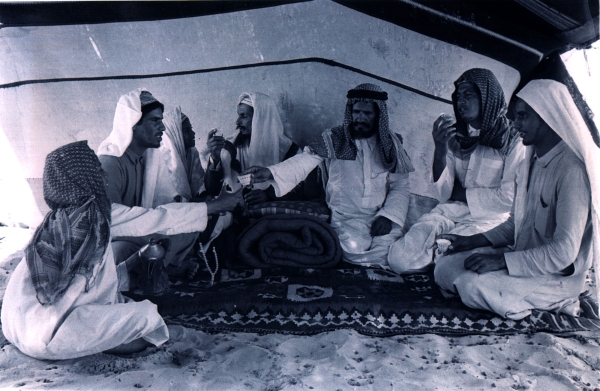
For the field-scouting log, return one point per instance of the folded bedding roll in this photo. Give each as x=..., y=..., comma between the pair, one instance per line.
x=292, y=241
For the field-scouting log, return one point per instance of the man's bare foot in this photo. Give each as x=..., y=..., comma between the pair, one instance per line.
x=135, y=346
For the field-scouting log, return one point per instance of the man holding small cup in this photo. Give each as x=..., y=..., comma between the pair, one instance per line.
x=475, y=160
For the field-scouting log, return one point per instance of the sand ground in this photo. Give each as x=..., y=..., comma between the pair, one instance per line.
x=338, y=360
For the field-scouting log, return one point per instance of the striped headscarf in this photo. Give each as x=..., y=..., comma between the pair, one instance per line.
x=73, y=237
x=495, y=129
x=339, y=144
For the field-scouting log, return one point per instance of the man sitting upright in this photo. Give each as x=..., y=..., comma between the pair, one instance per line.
x=366, y=172
x=549, y=234
x=259, y=142
x=138, y=126
x=475, y=159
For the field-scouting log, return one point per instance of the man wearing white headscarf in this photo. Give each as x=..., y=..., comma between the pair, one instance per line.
x=134, y=176
x=173, y=171
x=552, y=234
x=365, y=170
x=259, y=142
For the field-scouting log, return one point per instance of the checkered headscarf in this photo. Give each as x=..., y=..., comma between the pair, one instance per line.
x=73, y=236
x=495, y=129
x=341, y=145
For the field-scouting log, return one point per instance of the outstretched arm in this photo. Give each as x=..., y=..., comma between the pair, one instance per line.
x=287, y=174
x=169, y=219
x=460, y=243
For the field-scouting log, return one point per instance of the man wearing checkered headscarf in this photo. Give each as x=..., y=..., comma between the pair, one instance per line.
x=74, y=235
x=495, y=130
x=63, y=300
x=475, y=161
x=540, y=256
x=365, y=170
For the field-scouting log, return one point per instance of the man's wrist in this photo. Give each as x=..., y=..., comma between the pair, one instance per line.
x=440, y=150
x=479, y=240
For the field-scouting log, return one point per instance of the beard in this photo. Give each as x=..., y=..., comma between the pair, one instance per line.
x=366, y=132
x=242, y=139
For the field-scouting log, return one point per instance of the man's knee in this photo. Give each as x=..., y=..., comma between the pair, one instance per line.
x=468, y=286
x=404, y=258
x=435, y=222
x=447, y=271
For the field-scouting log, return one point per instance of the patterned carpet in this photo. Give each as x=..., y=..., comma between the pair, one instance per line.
x=370, y=301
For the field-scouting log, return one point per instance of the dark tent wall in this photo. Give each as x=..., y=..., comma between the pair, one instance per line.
x=59, y=84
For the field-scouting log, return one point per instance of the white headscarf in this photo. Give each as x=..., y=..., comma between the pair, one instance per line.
x=552, y=101
x=268, y=144
x=171, y=170
x=127, y=114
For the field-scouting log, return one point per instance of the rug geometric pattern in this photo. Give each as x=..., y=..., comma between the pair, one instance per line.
x=371, y=301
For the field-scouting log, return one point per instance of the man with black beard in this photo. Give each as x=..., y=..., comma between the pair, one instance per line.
x=365, y=171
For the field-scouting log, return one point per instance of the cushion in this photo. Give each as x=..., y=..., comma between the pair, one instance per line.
x=307, y=208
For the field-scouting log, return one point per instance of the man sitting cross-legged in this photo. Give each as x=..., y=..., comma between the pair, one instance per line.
x=475, y=160
x=366, y=169
x=63, y=300
x=550, y=232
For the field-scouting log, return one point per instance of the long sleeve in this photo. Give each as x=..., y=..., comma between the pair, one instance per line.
x=396, y=202
x=445, y=182
x=290, y=172
x=115, y=177
x=502, y=235
x=571, y=220
x=170, y=219
x=213, y=178
x=489, y=201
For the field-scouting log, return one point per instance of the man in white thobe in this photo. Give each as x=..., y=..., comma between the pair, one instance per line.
x=475, y=159
x=365, y=170
x=138, y=127
x=552, y=235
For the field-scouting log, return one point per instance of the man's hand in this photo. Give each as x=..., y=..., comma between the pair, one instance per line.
x=259, y=174
x=483, y=263
x=381, y=226
x=443, y=129
x=255, y=197
x=464, y=243
x=226, y=201
x=215, y=144
x=459, y=193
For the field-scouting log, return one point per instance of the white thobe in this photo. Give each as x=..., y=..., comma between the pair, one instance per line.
x=357, y=192
x=549, y=236
x=81, y=323
x=488, y=177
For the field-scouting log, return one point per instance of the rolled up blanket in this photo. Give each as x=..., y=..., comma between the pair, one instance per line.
x=292, y=241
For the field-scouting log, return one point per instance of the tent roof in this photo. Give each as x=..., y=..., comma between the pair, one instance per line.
x=516, y=32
